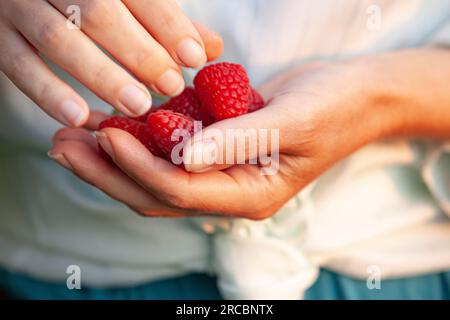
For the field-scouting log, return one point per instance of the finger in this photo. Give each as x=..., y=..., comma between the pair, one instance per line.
x=94, y=120
x=33, y=77
x=216, y=192
x=112, y=25
x=213, y=41
x=84, y=161
x=252, y=138
x=170, y=27
x=77, y=134
x=46, y=29
x=126, y=143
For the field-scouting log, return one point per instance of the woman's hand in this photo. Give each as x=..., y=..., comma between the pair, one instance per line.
x=150, y=38
x=318, y=118
x=322, y=112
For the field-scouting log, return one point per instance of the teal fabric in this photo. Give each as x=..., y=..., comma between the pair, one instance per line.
x=189, y=287
x=330, y=286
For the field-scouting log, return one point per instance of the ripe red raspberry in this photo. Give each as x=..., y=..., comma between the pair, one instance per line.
x=256, y=101
x=162, y=125
x=138, y=129
x=188, y=104
x=223, y=89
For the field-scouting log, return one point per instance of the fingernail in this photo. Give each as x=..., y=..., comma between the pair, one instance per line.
x=170, y=83
x=103, y=140
x=135, y=100
x=72, y=113
x=60, y=159
x=191, y=53
x=201, y=155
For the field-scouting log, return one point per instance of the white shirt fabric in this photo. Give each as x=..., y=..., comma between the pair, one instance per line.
x=387, y=206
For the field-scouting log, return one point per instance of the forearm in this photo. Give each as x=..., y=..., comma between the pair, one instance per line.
x=411, y=91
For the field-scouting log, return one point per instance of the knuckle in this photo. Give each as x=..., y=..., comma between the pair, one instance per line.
x=51, y=34
x=100, y=75
x=43, y=92
x=177, y=199
x=95, y=6
x=14, y=69
x=145, y=57
x=97, y=13
x=150, y=64
x=167, y=22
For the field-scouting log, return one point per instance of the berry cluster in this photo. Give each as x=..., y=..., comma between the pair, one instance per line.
x=221, y=91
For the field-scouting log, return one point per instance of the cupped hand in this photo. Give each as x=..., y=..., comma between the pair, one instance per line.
x=150, y=38
x=320, y=114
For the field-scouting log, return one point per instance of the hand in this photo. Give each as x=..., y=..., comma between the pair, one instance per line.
x=323, y=113
x=318, y=111
x=150, y=38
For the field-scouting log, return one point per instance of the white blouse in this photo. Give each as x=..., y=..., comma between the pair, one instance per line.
x=384, y=207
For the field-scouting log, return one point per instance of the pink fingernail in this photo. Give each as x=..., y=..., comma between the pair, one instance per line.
x=103, y=140
x=191, y=53
x=72, y=113
x=60, y=159
x=135, y=100
x=171, y=83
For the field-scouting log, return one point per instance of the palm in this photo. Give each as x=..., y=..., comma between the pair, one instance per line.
x=308, y=120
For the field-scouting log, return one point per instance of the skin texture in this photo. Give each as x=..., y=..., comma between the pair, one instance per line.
x=134, y=32
x=324, y=113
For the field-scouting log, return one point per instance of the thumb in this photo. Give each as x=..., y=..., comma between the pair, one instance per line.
x=249, y=139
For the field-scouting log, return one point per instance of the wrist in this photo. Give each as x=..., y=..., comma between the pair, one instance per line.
x=363, y=113
x=380, y=100
x=339, y=110
x=407, y=92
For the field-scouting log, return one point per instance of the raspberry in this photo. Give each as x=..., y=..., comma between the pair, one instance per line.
x=223, y=89
x=188, y=104
x=138, y=129
x=163, y=123
x=256, y=101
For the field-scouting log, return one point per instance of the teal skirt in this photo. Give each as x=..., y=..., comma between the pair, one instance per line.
x=330, y=286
